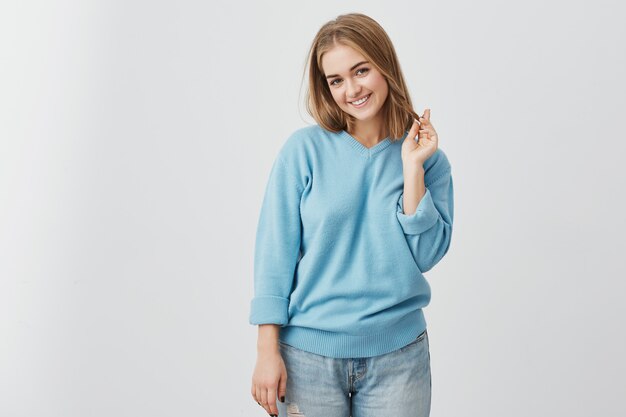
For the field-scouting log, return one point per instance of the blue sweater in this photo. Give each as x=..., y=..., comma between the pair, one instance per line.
x=337, y=262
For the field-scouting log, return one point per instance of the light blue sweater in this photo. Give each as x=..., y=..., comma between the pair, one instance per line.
x=337, y=262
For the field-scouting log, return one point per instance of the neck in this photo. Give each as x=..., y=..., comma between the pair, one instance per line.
x=368, y=132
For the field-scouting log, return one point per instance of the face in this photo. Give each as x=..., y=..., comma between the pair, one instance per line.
x=350, y=77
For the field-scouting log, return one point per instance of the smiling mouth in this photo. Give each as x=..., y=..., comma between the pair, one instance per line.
x=360, y=101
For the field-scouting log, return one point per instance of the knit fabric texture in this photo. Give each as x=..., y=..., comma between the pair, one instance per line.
x=337, y=263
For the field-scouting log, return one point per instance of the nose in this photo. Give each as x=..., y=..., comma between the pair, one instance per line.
x=352, y=89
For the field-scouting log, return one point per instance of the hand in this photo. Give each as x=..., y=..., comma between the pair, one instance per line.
x=414, y=153
x=268, y=380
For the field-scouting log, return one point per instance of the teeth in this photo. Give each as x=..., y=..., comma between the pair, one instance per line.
x=361, y=101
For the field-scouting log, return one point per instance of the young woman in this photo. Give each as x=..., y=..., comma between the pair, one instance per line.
x=356, y=209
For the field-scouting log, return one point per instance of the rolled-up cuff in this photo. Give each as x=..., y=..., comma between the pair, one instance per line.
x=269, y=309
x=425, y=216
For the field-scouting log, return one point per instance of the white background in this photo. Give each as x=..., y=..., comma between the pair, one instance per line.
x=136, y=138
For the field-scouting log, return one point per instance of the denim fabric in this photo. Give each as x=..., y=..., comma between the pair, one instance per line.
x=394, y=384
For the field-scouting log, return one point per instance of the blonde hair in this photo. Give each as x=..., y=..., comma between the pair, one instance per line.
x=365, y=35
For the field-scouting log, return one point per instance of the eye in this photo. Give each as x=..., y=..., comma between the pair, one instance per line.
x=357, y=71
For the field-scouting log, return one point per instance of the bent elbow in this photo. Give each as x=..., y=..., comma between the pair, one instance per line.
x=437, y=253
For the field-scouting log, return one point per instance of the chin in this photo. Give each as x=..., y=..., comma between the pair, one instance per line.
x=364, y=118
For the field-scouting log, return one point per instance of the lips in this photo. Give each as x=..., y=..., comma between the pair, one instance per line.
x=360, y=98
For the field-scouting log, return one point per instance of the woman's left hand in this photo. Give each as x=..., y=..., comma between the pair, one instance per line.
x=415, y=153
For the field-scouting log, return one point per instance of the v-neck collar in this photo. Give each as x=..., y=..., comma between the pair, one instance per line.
x=362, y=149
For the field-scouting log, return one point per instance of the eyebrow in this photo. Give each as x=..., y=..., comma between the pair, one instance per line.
x=351, y=68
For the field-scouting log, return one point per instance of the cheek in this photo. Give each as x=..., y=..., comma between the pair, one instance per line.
x=337, y=98
x=381, y=84
x=383, y=89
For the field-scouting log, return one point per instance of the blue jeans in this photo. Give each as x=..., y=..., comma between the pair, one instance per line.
x=394, y=384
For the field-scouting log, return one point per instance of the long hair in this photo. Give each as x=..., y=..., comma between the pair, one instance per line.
x=366, y=36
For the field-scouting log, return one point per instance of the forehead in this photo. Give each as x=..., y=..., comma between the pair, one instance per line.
x=339, y=59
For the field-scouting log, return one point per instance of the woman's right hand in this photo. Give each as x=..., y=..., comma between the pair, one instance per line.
x=269, y=380
x=414, y=154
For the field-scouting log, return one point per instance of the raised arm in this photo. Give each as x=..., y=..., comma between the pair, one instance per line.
x=428, y=229
x=425, y=208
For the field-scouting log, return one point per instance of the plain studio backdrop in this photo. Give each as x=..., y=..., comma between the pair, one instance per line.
x=136, y=140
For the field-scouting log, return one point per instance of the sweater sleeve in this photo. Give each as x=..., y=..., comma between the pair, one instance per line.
x=428, y=231
x=277, y=247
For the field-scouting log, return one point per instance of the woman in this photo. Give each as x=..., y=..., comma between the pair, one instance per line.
x=356, y=209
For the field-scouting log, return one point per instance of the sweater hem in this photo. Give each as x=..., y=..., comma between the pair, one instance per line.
x=342, y=345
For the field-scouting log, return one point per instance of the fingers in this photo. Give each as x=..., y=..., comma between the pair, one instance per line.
x=418, y=131
x=419, y=126
x=266, y=398
x=271, y=401
x=414, y=128
x=263, y=395
x=425, y=119
x=427, y=125
x=282, y=387
x=423, y=134
x=257, y=395
x=253, y=392
x=412, y=135
x=267, y=381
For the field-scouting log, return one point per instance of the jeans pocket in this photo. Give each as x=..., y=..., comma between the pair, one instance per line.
x=415, y=342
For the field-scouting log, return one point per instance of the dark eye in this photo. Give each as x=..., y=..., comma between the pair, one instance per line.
x=360, y=69
x=357, y=71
